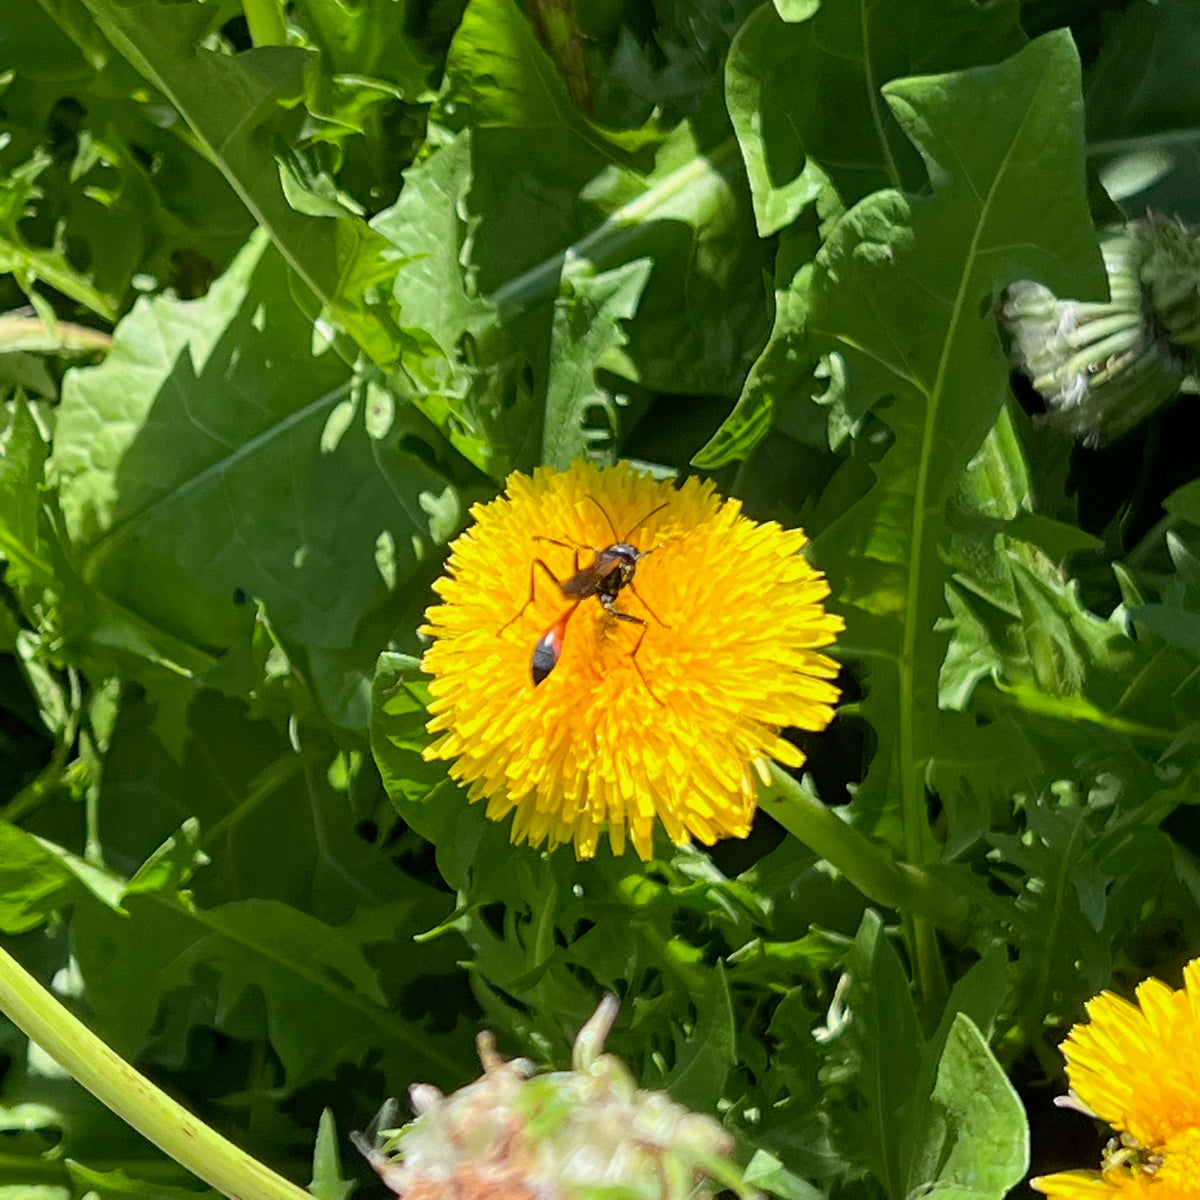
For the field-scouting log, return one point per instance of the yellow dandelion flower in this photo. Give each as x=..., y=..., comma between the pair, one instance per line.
x=664, y=707
x=1137, y=1066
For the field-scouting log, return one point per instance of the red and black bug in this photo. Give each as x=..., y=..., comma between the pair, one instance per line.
x=605, y=577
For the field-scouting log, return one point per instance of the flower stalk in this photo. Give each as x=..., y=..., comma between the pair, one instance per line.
x=129, y=1094
x=906, y=888
x=267, y=24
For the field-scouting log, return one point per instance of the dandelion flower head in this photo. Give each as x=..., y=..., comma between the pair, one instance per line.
x=1137, y=1066
x=669, y=720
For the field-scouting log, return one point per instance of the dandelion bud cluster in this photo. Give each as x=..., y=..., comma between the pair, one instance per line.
x=564, y=1135
x=1102, y=368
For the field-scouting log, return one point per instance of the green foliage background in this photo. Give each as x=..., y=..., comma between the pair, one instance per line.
x=360, y=261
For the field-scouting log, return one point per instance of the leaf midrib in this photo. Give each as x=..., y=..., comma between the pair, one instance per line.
x=395, y=1029
x=913, y=821
x=217, y=469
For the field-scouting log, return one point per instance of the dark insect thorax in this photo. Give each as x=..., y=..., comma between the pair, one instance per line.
x=624, y=559
x=606, y=575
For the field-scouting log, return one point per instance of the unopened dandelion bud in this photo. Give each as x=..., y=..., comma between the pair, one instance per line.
x=1171, y=275
x=565, y=1135
x=1102, y=368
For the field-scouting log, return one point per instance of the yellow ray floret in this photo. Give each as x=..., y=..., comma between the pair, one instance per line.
x=1137, y=1066
x=613, y=740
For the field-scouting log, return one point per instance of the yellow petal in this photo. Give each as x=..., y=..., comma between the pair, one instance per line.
x=659, y=716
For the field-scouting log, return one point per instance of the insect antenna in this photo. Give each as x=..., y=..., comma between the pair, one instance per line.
x=607, y=519
x=633, y=529
x=651, y=513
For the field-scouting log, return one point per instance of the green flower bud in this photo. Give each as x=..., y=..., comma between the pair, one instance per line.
x=1102, y=368
x=565, y=1135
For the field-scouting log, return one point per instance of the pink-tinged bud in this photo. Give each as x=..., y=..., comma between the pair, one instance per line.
x=564, y=1135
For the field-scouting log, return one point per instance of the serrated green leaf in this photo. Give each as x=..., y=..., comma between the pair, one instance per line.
x=327, y=1182
x=323, y=1003
x=707, y=1057
x=22, y=468
x=204, y=436
x=471, y=363
x=32, y=264
x=781, y=375
x=766, y=1171
x=874, y=1043
x=238, y=814
x=581, y=419
x=160, y=41
x=38, y=878
x=924, y=341
x=610, y=197
x=118, y=1184
x=803, y=148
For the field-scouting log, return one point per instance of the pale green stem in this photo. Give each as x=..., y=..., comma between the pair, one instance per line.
x=97, y=1067
x=692, y=192
x=32, y=333
x=908, y=889
x=266, y=23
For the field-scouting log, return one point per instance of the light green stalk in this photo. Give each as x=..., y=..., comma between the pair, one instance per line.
x=909, y=889
x=131, y=1095
x=266, y=22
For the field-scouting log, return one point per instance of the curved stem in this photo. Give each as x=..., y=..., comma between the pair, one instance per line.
x=32, y=333
x=690, y=192
x=97, y=1067
x=266, y=21
x=909, y=889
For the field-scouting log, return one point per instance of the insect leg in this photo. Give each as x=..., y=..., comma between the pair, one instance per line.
x=624, y=616
x=537, y=562
x=640, y=599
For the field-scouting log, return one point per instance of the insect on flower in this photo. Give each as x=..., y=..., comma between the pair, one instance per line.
x=605, y=577
x=734, y=624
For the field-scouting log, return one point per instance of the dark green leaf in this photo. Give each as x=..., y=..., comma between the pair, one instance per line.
x=581, y=418
x=205, y=435
x=320, y=997
x=38, y=878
